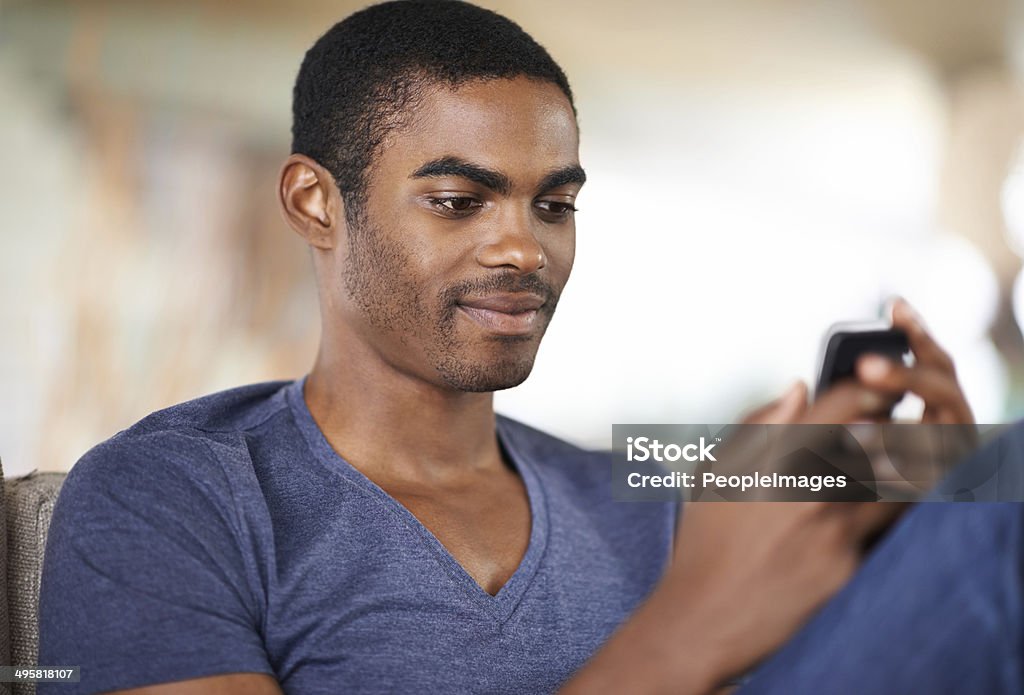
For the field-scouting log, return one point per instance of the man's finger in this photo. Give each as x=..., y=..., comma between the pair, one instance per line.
x=936, y=387
x=925, y=349
x=930, y=383
x=848, y=401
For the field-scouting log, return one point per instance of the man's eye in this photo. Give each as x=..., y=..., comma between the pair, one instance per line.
x=556, y=209
x=456, y=206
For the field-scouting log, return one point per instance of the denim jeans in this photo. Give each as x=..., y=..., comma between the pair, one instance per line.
x=935, y=608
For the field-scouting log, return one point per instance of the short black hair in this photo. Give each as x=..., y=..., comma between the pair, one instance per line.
x=359, y=81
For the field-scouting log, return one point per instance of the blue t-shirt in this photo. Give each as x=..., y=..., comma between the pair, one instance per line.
x=226, y=535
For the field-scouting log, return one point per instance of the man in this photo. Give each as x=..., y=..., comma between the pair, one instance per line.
x=374, y=527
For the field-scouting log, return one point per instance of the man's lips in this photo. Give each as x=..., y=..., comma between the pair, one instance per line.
x=505, y=314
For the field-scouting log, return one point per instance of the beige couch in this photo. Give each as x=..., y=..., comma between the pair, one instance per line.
x=27, y=505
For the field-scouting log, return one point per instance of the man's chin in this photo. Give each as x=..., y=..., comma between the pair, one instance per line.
x=476, y=377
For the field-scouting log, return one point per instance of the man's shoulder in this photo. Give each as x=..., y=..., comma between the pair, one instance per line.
x=232, y=410
x=193, y=437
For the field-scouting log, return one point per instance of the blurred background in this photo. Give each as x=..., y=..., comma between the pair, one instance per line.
x=758, y=169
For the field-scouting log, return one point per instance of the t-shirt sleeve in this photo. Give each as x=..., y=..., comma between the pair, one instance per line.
x=145, y=578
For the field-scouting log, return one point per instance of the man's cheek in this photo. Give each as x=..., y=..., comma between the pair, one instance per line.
x=560, y=262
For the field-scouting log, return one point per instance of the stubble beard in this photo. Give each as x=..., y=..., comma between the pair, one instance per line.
x=377, y=280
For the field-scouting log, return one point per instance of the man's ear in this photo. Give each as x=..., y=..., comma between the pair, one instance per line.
x=310, y=201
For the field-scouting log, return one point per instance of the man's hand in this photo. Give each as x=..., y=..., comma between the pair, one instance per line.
x=748, y=575
x=880, y=383
x=933, y=376
x=761, y=568
x=787, y=558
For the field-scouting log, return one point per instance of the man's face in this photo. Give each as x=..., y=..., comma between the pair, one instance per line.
x=467, y=234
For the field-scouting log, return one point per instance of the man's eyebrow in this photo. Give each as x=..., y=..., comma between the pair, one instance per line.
x=559, y=177
x=495, y=180
x=453, y=166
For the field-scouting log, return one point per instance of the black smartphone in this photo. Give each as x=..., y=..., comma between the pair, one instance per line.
x=846, y=342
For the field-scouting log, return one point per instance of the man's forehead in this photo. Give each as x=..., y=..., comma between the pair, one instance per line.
x=522, y=128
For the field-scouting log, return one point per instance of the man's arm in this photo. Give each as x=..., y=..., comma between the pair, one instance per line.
x=745, y=577
x=748, y=575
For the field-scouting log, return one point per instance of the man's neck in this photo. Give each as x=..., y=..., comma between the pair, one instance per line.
x=383, y=420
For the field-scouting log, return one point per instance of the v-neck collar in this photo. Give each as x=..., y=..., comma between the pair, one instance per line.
x=500, y=605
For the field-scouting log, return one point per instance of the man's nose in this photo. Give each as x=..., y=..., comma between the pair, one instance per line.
x=513, y=244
